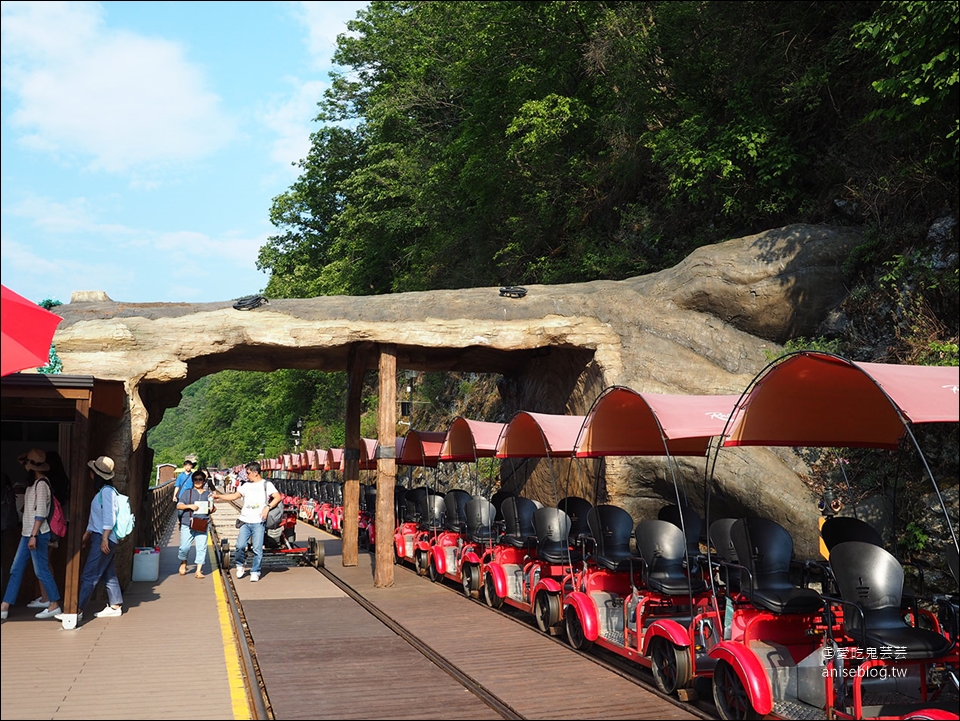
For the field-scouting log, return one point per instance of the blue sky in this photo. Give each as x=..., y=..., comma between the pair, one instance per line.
x=143, y=142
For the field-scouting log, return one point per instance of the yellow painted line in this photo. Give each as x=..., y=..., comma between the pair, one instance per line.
x=231, y=654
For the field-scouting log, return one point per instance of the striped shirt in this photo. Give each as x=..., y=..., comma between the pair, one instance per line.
x=36, y=505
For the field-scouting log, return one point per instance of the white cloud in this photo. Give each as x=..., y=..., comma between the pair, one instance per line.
x=116, y=100
x=290, y=118
x=56, y=218
x=324, y=21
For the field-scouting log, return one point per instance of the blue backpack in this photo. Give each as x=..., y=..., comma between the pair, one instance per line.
x=125, y=522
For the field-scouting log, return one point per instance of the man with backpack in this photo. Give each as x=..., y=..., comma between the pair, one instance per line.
x=100, y=527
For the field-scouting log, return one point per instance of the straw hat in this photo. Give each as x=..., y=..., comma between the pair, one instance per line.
x=36, y=460
x=103, y=467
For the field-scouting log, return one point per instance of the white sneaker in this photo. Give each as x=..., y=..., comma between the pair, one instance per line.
x=109, y=612
x=50, y=613
x=254, y=577
x=240, y=571
x=38, y=603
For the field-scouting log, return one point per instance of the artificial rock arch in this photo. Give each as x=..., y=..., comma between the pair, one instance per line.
x=705, y=326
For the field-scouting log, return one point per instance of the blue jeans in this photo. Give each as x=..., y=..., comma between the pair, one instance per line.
x=99, y=566
x=187, y=538
x=252, y=532
x=41, y=566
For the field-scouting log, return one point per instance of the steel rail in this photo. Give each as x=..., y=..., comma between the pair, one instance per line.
x=464, y=679
x=259, y=701
x=621, y=667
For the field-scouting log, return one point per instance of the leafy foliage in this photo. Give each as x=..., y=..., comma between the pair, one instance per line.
x=54, y=364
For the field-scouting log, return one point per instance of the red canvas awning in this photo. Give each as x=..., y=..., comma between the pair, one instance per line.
x=539, y=435
x=334, y=461
x=368, y=454
x=818, y=399
x=421, y=448
x=624, y=422
x=468, y=440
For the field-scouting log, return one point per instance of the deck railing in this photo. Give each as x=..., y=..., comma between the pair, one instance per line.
x=158, y=505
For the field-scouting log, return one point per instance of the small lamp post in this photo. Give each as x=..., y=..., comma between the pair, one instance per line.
x=296, y=435
x=406, y=407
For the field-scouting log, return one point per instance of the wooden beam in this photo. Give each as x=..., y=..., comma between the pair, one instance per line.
x=356, y=367
x=80, y=496
x=386, y=466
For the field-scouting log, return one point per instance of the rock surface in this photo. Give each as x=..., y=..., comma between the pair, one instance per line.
x=706, y=326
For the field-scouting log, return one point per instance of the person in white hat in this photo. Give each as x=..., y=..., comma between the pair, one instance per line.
x=100, y=562
x=34, y=538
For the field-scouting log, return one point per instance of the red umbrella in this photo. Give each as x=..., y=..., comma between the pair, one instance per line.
x=27, y=333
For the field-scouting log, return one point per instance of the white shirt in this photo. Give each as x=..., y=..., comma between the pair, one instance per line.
x=255, y=494
x=103, y=512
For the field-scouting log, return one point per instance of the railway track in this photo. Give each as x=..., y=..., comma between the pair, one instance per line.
x=260, y=701
x=609, y=661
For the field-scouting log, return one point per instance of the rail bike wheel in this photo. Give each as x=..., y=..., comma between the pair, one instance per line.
x=225, y=554
x=730, y=696
x=468, y=578
x=315, y=552
x=574, y=628
x=421, y=560
x=432, y=571
x=490, y=596
x=546, y=608
x=670, y=665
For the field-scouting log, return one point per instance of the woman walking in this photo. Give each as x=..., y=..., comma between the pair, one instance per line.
x=34, y=538
x=196, y=504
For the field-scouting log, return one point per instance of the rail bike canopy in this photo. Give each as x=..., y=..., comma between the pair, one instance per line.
x=334, y=461
x=421, y=448
x=467, y=440
x=539, y=435
x=368, y=454
x=822, y=400
x=623, y=422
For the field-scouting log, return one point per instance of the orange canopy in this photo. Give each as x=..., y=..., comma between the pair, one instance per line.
x=624, y=422
x=334, y=460
x=539, y=435
x=818, y=399
x=468, y=440
x=368, y=454
x=421, y=448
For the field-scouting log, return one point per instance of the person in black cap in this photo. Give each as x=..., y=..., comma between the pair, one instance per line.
x=183, y=480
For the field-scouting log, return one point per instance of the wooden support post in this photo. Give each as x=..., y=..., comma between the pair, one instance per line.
x=386, y=466
x=356, y=367
x=80, y=495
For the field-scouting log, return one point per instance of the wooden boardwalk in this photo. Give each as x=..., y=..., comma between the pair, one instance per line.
x=141, y=665
x=320, y=654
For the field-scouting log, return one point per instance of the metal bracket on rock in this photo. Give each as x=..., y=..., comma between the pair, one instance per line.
x=513, y=291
